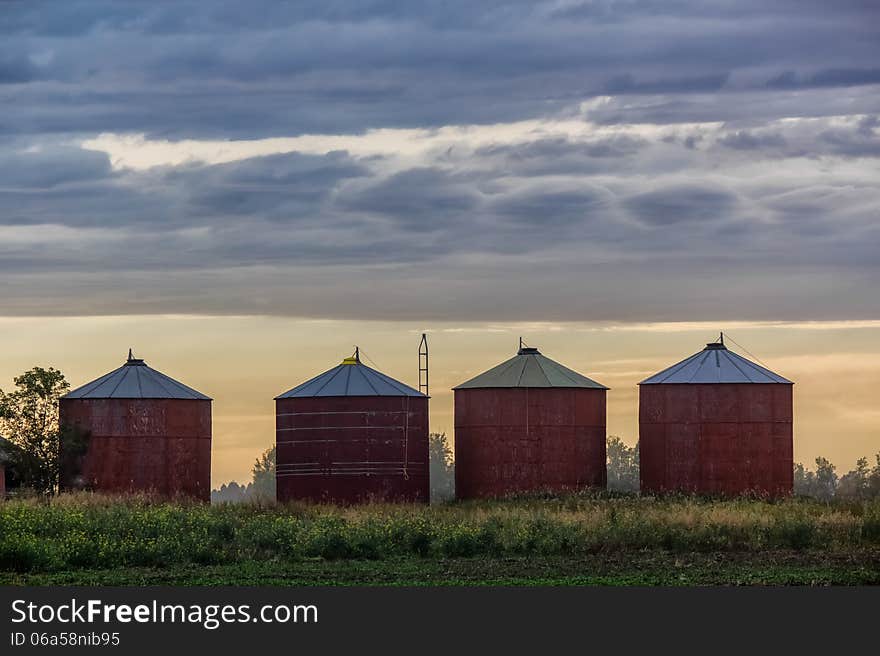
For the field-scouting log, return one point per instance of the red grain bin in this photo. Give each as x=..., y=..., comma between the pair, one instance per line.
x=529, y=424
x=716, y=424
x=146, y=432
x=352, y=435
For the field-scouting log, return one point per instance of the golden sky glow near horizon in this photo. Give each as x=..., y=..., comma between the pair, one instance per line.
x=243, y=362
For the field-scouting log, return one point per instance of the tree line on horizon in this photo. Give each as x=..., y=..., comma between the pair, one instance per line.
x=823, y=483
x=33, y=437
x=261, y=487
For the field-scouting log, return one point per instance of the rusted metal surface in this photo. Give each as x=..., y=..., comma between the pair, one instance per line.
x=160, y=446
x=513, y=440
x=352, y=449
x=716, y=439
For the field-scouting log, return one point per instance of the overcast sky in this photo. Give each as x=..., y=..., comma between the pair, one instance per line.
x=626, y=161
x=575, y=172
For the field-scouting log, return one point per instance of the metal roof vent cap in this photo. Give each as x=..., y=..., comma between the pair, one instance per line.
x=527, y=350
x=355, y=358
x=717, y=345
x=132, y=361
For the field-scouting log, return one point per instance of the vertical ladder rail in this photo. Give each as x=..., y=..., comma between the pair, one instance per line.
x=423, y=365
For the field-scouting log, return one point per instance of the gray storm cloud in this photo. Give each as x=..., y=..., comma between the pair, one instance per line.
x=729, y=170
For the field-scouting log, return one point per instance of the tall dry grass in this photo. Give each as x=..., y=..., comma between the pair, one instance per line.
x=97, y=531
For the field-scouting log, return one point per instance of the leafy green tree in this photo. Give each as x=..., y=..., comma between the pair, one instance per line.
x=874, y=479
x=863, y=482
x=263, y=486
x=29, y=419
x=804, y=481
x=826, y=479
x=855, y=484
x=622, y=465
x=232, y=492
x=442, y=468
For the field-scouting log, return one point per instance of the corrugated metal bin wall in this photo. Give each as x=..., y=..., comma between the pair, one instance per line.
x=352, y=449
x=160, y=446
x=514, y=440
x=724, y=439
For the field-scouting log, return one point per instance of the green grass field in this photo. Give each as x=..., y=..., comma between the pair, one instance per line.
x=584, y=539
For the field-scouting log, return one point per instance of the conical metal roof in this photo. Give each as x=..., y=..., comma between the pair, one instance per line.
x=135, y=380
x=528, y=368
x=351, y=378
x=715, y=364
